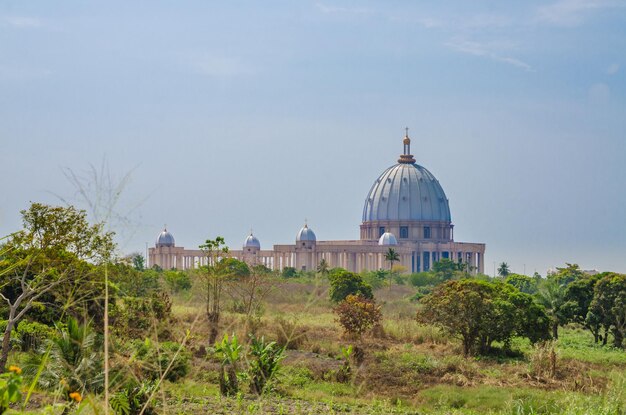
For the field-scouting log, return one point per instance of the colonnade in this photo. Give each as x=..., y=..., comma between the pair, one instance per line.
x=354, y=257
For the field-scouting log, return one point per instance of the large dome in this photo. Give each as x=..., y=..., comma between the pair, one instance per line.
x=165, y=239
x=406, y=192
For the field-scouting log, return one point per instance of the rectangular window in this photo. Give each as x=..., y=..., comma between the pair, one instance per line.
x=381, y=230
x=404, y=232
x=426, y=264
x=426, y=232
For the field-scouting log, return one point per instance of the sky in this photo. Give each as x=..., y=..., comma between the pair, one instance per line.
x=221, y=117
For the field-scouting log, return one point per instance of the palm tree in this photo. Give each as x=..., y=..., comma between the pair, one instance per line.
x=503, y=269
x=551, y=295
x=392, y=256
x=72, y=361
x=322, y=267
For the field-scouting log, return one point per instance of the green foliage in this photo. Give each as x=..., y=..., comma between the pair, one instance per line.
x=504, y=270
x=228, y=351
x=265, y=363
x=131, y=399
x=52, y=261
x=138, y=261
x=523, y=283
x=446, y=269
x=375, y=279
x=10, y=384
x=344, y=283
x=608, y=306
x=130, y=282
x=357, y=314
x=177, y=281
x=424, y=279
x=480, y=312
x=551, y=295
x=32, y=334
x=344, y=374
x=71, y=361
x=420, y=293
x=289, y=272
x=136, y=316
x=153, y=360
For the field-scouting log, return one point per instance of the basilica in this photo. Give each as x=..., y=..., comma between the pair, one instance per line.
x=406, y=209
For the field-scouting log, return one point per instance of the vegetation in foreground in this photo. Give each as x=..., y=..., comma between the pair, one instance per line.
x=83, y=331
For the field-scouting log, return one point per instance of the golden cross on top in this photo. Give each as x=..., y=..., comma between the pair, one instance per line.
x=406, y=129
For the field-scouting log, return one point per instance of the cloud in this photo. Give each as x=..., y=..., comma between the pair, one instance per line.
x=20, y=22
x=345, y=10
x=488, y=50
x=612, y=69
x=573, y=12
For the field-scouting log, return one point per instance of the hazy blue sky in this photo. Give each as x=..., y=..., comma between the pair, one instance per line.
x=260, y=114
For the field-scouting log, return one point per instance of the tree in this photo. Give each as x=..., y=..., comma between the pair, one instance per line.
x=391, y=256
x=344, y=283
x=523, y=283
x=72, y=361
x=177, y=280
x=503, y=269
x=609, y=306
x=251, y=288
x=578, y=296
x=322, y=267
x=551, y=294
x=214, y=250
x=357, y=314
x=481, y=312
x=446, y=269
x=57, y=246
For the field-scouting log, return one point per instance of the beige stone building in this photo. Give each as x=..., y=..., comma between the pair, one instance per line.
x=406, y=209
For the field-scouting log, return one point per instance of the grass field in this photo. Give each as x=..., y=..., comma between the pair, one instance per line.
x=407, y=368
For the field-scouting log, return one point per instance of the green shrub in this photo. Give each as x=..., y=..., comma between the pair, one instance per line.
x=228, y=351
x=154, y=359
x=33, y=334
x=10, y=383
x=344, y=283
x=177, y=280
x=265, y=365
x=357, y=314
x=423, y=279
x=289, y=272
x=131, y=399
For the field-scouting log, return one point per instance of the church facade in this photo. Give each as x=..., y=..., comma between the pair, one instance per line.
x=406, y=209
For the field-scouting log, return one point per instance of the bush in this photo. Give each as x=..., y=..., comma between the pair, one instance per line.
x=263, y=368
x=131, y=399
x=228, y=351
x=357, y=314
x=480, y=312
x=10, y=383
x=33, y=334
x=344, y=283
x=289, y=272
x=423, y=279
x=153, y=360
x=289, y=335
x=177, y=281
x=135, y=316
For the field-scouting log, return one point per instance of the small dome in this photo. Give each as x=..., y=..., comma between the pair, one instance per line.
x=165, y=239
x=252, y=242
x=387, y=238
x=305, y=234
